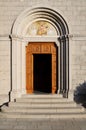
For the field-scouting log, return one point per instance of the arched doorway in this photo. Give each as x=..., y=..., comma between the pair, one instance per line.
x=41, y=67
x=21, y=38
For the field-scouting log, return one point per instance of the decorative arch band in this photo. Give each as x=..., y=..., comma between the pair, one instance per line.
x=52, y=16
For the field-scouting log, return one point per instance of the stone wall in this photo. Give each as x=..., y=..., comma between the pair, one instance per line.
x=4, y=66
x=4, y=69
x=73, y=11
x=78, y=61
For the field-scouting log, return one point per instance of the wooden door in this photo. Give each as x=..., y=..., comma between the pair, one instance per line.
x=29, y=70
x=39, y=48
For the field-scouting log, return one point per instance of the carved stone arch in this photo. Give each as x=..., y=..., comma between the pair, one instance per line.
x=40, y=12
x=19, y=41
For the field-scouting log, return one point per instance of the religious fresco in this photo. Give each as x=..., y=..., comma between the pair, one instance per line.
x=41, y=28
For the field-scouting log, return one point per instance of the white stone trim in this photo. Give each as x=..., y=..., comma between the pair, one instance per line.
x=73, y=37
x=19, y=65
x=19, y=42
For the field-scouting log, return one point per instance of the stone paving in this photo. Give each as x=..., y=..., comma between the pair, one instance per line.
x=42, y=124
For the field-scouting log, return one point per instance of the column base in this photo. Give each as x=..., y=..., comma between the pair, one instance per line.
x=60, y=91
x=24, y=91
x=14, y=94
x=71, y=95
x=65, y=94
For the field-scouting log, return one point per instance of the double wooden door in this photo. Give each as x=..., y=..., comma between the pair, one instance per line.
x=41, y=50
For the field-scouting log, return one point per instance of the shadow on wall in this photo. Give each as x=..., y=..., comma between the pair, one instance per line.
x=80, y=94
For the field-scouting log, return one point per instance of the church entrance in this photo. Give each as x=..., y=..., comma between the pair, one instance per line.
x=41, y=68
x=42, y=73
x=40, y=30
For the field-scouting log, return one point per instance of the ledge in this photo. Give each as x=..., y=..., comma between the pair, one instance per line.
x=8, y=37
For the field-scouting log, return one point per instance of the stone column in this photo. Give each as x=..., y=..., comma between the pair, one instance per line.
x=19, y=67
x=61, y=65
x=70, y=93
x=16, y=69
x=23, y=63
x=66, y=66
x=58, y=69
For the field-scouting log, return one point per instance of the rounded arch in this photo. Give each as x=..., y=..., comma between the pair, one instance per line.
x=18, y=58
x=44, y=13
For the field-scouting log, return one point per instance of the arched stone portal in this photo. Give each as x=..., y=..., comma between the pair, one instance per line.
x=20, y=40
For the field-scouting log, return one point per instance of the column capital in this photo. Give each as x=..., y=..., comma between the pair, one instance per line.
x=64, y=37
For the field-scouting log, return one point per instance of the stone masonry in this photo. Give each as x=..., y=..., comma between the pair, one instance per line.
x=73, y=11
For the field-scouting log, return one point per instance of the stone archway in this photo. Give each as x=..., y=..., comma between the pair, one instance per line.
x=20, y=40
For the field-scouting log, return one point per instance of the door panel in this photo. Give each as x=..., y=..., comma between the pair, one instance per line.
x=54, y=74
x=29, y=73
x=40, y=48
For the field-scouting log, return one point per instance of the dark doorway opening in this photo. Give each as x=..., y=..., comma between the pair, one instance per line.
x=42, y=73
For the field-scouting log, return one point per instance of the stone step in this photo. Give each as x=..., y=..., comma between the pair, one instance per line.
x=43, y=105
x=28, y=100
x=51, y=107
x=42, y=96
x=44, y=116
x=41, y=110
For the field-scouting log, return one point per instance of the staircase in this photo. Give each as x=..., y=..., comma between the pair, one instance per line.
x=42, y=106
